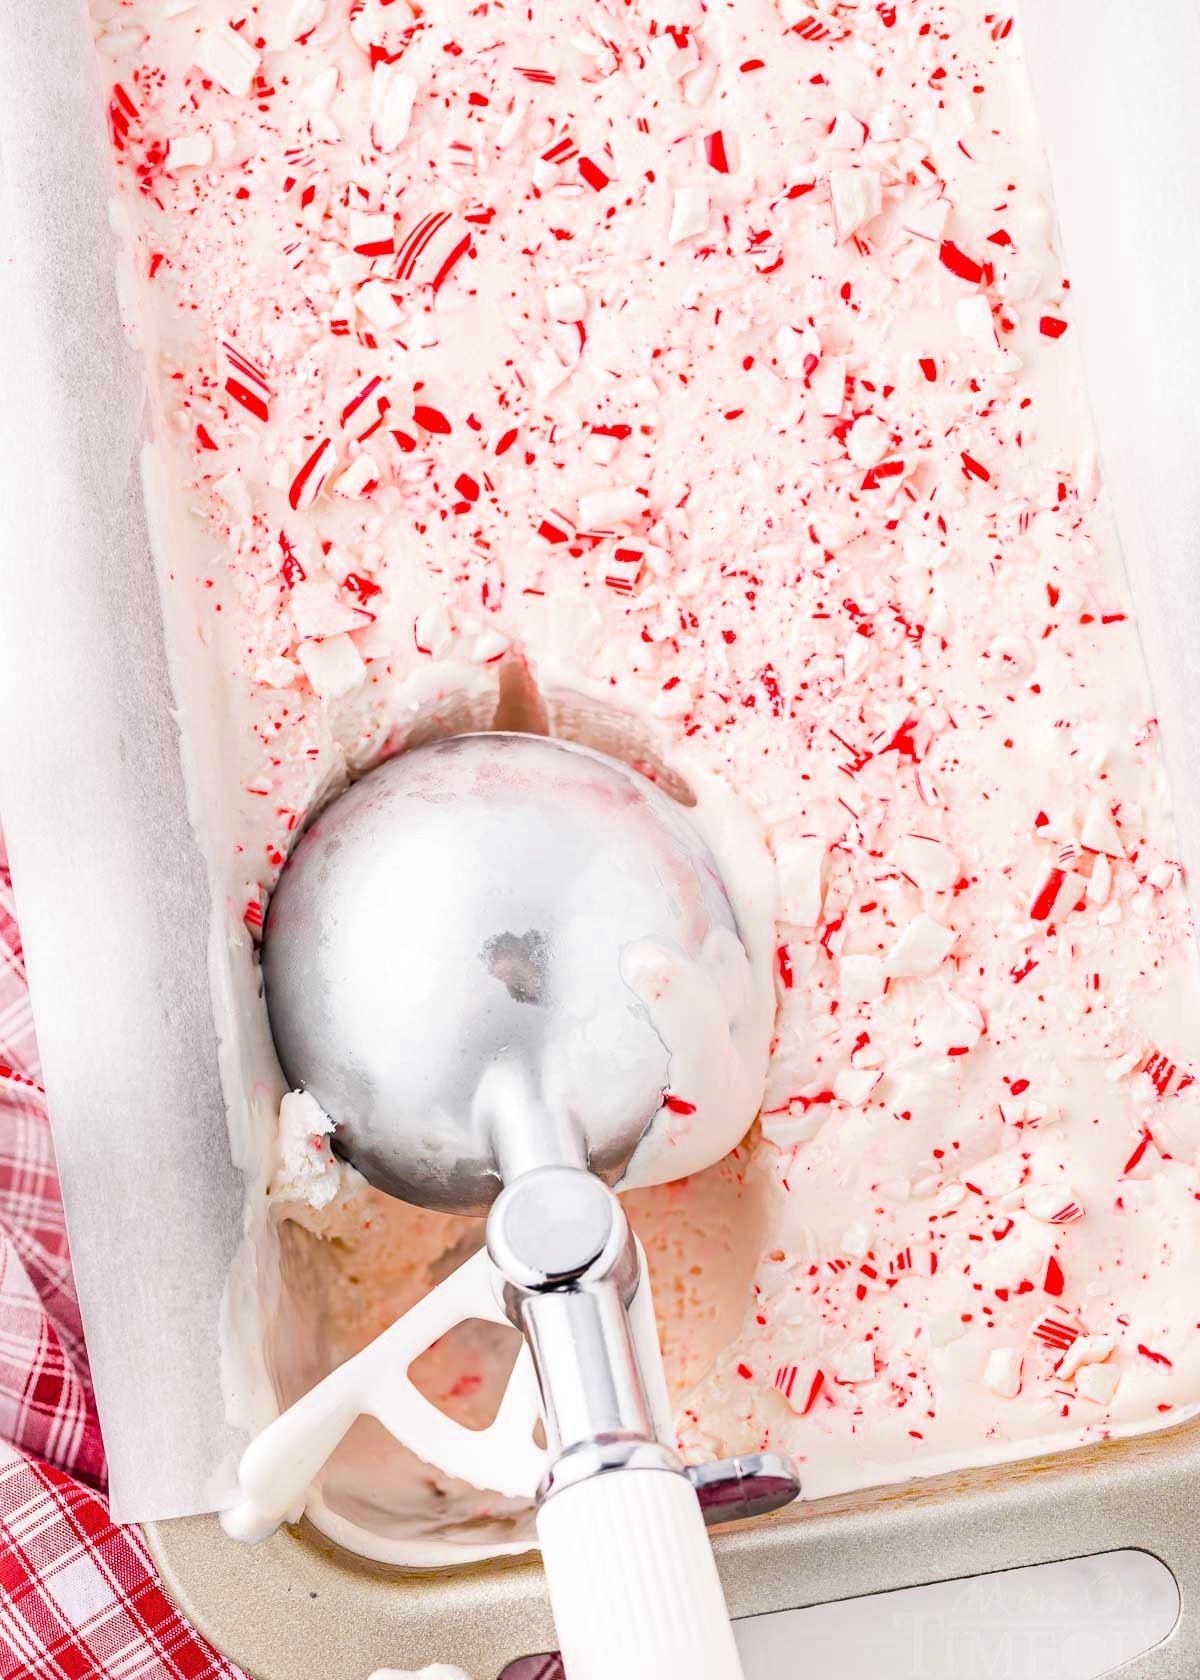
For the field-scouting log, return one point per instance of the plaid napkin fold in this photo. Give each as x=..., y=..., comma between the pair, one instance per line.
x=79, y=1598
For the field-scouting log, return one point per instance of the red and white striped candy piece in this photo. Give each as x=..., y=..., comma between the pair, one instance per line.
x=1058, y=893
x=1167, y=1077
x=1056, y=1332
x=372, y=233
x=430, y=248
x=621, y=570
x=309, y=481
x=800, y=1385
x=246, y=382
x=1053, y=1204
x=366, y=409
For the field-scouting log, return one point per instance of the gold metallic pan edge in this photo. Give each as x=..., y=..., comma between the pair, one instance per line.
x=297, y=1606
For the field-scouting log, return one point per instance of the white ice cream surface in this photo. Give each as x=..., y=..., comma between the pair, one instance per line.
x=703, y=387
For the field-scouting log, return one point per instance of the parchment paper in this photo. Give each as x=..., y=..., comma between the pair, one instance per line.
x=112, y=890
x=1116, y=94
x=113, y=893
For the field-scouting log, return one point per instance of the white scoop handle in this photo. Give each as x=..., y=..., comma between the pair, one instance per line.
x=633, y=1583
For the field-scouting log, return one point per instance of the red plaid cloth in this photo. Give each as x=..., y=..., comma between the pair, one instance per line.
x=79, y=1599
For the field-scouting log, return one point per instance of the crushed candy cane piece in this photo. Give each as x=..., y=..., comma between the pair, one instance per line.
x=566, y=302
x=393, y=92
x=689, y=214
x=1099, y=1383
x=799, y=860
x=376, y=301
x=854, y=1086
x=225, y=55
x=928, y=863
x=333, y=666
x=861, y=979
x=857, y=198
x=921, y=948
x=1053, y=1204
x=1100, y=833
x=800, y=1386
x=855, y=1364
x=189, y=151
x=1002, y=1373
x=1085, y=1350
x=942, y=1328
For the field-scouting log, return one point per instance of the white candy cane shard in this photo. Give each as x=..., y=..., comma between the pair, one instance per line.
x=303, y=17
x=393, y=92
x=371, y=233
x=976, y=322
x=1100, y=833
x=856, y=196
x=942, y=1328
x=853, y=1086
x=359, y=478
x=799, y=861
x=855, y=1364
x=861, y=979
x=376, y=302
x=189, y=151
x=1085, y=1350
x=920, y=949
x=1098, y=1382
x=827, y=382
x=689, y=214
x=867, y=441
x=1002, y=1373
x=433, y=632
x=606, y=510
x=333, y=666
x=566, y=303
x=228, y=59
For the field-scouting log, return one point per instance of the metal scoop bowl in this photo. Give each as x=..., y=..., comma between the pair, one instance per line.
x=444, y=962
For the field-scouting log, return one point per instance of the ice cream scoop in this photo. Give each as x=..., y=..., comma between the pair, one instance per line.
x=486, y=962
x=472, y=962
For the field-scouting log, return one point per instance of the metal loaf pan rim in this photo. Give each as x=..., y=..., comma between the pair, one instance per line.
x=297, y=1604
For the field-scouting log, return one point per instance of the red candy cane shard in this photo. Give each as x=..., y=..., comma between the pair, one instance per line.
x=122, y=114
x=593, y=174
x=715, y=154
x=959, y=263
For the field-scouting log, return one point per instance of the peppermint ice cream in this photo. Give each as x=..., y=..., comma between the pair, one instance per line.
x=700, y=385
